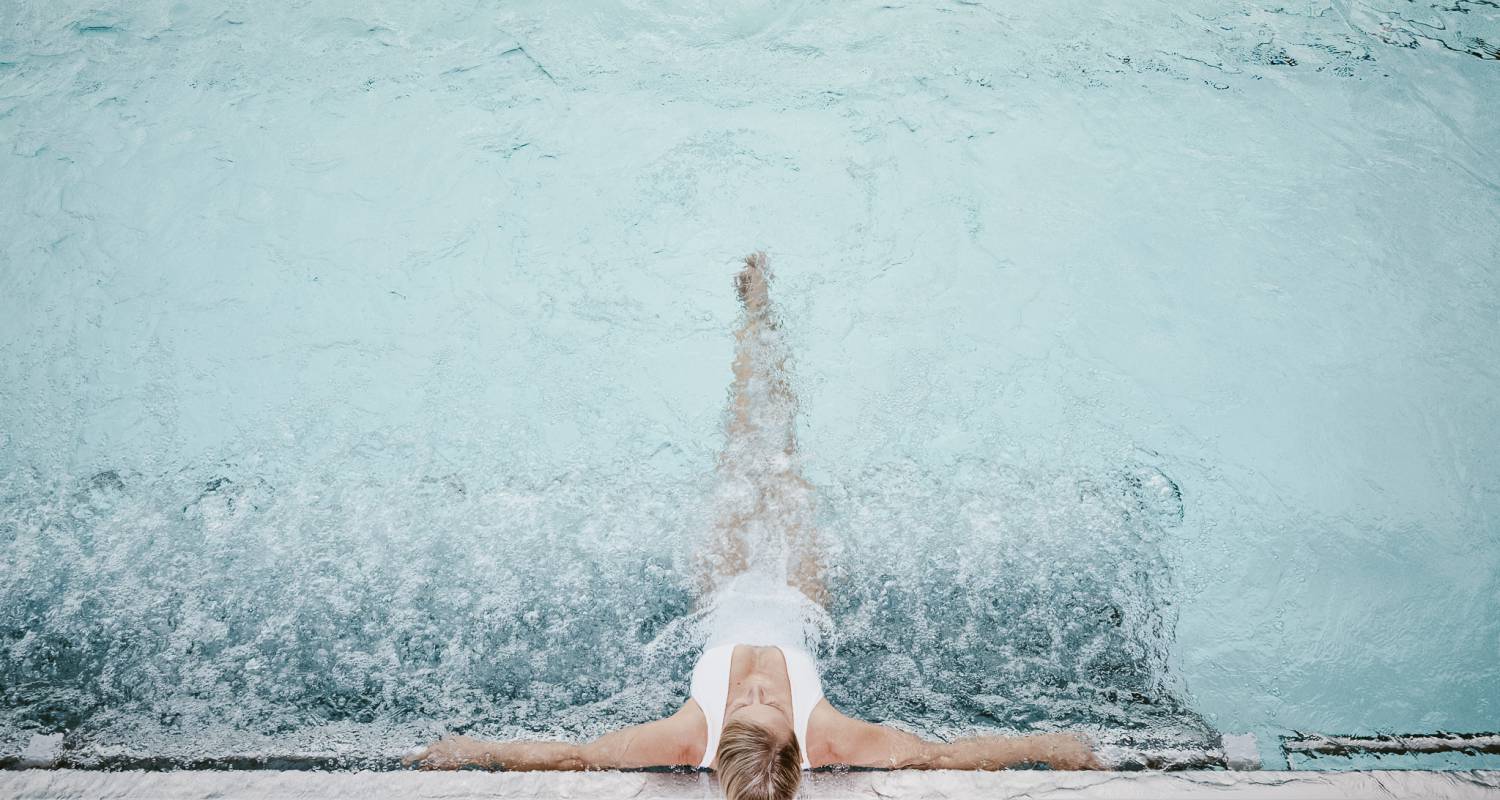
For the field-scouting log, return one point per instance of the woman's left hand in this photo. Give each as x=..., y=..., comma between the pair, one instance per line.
x=449, y=752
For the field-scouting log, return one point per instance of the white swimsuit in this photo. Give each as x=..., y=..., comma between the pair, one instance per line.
x=710, y=688
x=753, y=609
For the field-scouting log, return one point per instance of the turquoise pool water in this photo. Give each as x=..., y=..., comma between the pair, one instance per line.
x=362, y=364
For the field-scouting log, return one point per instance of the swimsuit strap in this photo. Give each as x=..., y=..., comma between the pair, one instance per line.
x=710, y=688
x=807, y=692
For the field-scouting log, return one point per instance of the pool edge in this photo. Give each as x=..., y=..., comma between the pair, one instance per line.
x=64, y=784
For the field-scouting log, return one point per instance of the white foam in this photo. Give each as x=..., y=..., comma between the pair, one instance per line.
x=43, y=750
x=1241, y=752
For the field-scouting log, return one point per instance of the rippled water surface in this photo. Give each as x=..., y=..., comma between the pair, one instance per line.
x=362, y=366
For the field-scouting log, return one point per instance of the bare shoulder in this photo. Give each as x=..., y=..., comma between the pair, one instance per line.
x=679, y=739
x=830, y=734
x=837, y=738
x=692, y=727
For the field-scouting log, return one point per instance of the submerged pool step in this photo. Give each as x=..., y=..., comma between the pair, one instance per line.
x=1319, y=745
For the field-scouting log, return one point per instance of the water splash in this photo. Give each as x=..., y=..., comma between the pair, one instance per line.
x=211, y=611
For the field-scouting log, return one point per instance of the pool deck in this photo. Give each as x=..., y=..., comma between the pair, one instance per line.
x=302, y=785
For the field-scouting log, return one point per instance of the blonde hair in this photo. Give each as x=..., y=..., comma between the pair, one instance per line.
x=754, y=764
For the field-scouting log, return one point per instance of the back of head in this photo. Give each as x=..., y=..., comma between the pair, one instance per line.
x=757, y=764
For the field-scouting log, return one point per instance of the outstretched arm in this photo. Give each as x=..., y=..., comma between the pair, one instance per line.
x=864, y=744
x=677, y=740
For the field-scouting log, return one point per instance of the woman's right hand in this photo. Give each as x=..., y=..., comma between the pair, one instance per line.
x=1067, y=751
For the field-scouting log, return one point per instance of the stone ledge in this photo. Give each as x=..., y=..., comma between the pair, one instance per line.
x=301, y=785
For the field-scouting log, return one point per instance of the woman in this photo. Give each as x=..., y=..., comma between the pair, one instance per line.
x=756, y=712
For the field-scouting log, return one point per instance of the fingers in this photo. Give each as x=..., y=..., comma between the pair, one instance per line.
x=1089, y=759
x=413, y=755
x=437, y=755
x=1072, y=751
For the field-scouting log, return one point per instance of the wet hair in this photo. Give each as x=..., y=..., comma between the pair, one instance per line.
x=755, y=764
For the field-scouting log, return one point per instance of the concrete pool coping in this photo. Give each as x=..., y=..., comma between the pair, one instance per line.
x=64, y=784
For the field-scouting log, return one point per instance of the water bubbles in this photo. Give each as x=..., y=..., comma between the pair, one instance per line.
x=210, y=611
x=106, y=481
x=1027, y=600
